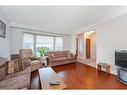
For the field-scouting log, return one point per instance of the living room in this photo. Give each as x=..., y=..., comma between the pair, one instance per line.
x=51, y=47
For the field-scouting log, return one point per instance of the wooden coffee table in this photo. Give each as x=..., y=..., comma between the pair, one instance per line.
x=46, y=75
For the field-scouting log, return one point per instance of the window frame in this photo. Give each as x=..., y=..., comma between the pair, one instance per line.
x=30, y=43
x=35, y=40
x=44, y=43
x=57, y=44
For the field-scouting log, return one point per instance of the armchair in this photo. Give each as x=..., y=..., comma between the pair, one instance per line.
x=36, y=63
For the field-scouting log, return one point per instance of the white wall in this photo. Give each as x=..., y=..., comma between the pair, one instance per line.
x=17, y=38
x=5, y=42
x=66, y=42
x=111, y=35
x=93, y=45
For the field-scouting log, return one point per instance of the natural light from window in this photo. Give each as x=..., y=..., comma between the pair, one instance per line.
x=34, y=42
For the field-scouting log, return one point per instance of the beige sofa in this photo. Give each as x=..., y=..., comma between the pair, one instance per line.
x=9, y=79
x=59, y=58
x=36, y=63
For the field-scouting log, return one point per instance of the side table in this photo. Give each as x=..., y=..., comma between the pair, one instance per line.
x=104, y=65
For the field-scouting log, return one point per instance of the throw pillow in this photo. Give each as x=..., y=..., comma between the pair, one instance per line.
x=10, y=67
x=52, y=56
x=15, y=66
x=18, y=65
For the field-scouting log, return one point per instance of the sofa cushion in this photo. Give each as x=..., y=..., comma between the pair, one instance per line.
x=60, y=59
x=35, y=62
x=25, y=71
x=58, y=54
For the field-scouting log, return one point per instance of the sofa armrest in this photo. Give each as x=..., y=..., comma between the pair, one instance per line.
x=26, y=62
x=35, y=58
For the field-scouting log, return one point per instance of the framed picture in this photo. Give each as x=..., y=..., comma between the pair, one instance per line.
x=2, y=29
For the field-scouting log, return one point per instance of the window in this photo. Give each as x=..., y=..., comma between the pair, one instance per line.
x=34, y=41
x=44, y=41
x=58, y=43
x=28, y=41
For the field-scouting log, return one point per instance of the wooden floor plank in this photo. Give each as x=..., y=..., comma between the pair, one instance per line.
x=81, y=76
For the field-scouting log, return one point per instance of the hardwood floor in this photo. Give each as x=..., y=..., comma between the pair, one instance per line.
x=81, y=76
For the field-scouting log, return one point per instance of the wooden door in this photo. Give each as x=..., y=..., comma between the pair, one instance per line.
x=87, y=48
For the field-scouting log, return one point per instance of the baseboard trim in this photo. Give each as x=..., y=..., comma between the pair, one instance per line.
x=112, y=71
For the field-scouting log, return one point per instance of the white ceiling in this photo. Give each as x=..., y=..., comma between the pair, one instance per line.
x=60, y=19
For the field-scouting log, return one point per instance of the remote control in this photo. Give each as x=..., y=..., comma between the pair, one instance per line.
x=54, y=82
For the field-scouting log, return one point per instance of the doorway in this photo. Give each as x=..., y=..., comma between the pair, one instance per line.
x=86, y=48
x=90, y=48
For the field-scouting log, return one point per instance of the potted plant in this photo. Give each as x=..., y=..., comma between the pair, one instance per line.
x=42, y=51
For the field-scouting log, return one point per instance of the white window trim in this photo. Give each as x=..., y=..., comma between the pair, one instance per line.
x=35, y=35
